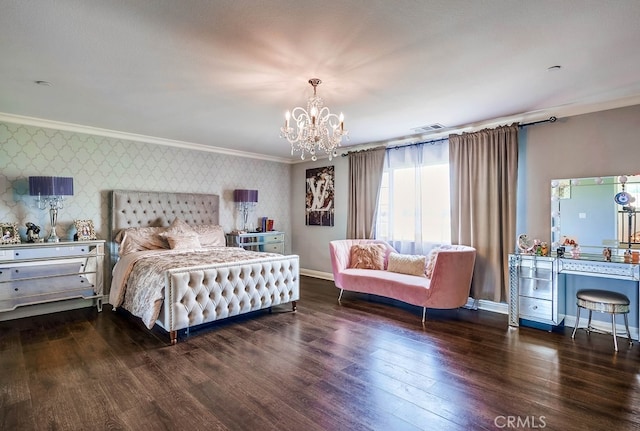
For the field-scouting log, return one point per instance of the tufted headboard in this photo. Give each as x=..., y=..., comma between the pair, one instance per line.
x=132, y=208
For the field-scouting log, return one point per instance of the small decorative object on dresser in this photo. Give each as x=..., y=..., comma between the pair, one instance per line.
x=33, y=233
x=524, y=244
x=607, y=254
x=9, y=233
x=85, y=230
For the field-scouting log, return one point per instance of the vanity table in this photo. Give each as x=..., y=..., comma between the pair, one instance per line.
x=538, y=289
x=595, y=213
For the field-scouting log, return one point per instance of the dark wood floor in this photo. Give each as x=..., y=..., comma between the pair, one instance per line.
x=363, y=365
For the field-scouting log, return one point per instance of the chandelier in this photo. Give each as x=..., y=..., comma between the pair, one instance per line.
x=315, y=129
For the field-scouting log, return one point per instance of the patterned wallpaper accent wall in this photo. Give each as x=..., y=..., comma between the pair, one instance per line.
x=99, y=164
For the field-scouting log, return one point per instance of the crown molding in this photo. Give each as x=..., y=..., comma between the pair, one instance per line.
x=77, y=128
x=561, y=111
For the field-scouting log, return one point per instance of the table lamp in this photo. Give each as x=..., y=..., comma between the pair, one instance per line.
x=50, y=191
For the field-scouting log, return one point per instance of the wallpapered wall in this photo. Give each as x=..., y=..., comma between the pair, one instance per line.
x=99, y=164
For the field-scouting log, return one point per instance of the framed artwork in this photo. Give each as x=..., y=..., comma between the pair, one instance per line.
x=9, y=233
x=320, y=210
x=85, y=230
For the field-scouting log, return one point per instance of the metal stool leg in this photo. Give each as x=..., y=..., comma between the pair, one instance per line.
x=626, y=325
x=589, y=323
x=577, y=323
x=613, y=331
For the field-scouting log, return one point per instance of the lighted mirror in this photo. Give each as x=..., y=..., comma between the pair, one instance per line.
x=596, y=212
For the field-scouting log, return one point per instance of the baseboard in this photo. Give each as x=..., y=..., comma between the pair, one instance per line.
x=317, y=274
x=482, y=304
x=570, y=321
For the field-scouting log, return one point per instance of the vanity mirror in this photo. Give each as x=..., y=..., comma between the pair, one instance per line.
x=595, y=213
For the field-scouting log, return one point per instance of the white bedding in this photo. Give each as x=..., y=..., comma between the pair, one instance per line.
x=139, y=278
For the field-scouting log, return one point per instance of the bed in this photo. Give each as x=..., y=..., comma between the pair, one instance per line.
x=172, y=269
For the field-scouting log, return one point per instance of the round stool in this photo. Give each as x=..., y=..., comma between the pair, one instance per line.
x=603, y=301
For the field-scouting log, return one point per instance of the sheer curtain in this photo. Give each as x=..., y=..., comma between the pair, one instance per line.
x=484, y=168
x=365, y=175
x=415, y=204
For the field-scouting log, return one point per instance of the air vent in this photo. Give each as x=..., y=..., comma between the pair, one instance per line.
x=429, y=128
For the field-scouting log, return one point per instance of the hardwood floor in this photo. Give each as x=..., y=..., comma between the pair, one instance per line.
x=367, y=364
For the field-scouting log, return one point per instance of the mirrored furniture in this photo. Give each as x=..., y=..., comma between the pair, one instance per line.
x=272, y=241
x=38, y=273
x=598, y=214
x=536, y=297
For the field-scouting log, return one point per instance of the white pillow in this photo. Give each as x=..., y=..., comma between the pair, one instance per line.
x=407, y=264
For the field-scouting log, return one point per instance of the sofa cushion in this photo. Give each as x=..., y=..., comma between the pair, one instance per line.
x=407, y=264
x=403, y=287
x=367, y=256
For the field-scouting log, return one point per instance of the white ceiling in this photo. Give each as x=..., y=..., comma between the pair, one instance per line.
x=222, y=73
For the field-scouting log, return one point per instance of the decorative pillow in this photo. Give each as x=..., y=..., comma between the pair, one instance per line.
x=432, y=257
x=210, y=235
x=179, y=226
x=407, y=264
x=367, y=256
x=140, y=238
x=182, y=241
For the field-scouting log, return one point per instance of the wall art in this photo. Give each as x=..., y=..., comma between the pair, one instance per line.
x=320, y=196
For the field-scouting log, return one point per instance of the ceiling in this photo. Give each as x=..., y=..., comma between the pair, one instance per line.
x=222, y=73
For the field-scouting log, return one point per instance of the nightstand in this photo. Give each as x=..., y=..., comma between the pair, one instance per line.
x=272, y=242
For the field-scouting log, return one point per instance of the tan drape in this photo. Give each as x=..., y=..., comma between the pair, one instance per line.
x=365, y=177
x=483, y=168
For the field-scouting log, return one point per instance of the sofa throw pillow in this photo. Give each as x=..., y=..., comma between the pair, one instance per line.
x=432, y=257
x=367, y=256
x=407, y=264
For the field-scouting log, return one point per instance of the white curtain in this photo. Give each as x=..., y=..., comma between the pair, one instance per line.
x=412, y=194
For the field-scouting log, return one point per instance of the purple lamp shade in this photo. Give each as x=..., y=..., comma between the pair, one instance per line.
x=242, y=195
x=52, y=186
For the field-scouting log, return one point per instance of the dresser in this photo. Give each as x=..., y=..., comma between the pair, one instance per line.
x=272, y=242
x=39, y=273
x=536, y=298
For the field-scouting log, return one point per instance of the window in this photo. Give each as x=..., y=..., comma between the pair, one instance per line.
x=413, y=208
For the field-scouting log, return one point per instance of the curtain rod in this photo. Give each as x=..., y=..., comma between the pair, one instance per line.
x=551, y=119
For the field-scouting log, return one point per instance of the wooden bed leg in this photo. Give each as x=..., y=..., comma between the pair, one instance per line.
x=294, y=306
x=174, y=337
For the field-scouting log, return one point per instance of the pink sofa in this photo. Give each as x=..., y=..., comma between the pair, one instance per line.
x=448, y=286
